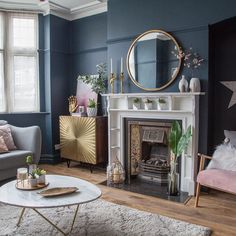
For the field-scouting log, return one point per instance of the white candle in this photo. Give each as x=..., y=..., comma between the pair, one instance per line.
x=121, y=65
x=111, y=66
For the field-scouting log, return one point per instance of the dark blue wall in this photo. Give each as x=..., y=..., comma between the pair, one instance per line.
x=88, y=46
x=186, y=20
x=71, y=48
x=54, y=83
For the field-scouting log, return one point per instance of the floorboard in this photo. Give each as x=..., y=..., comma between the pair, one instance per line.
x=217, y=210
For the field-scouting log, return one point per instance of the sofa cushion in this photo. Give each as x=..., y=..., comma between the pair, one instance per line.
x=5, y=132
x=3, y=146
x=3, y=122
x=14, y=158
x=223, y=158
x=218, y=179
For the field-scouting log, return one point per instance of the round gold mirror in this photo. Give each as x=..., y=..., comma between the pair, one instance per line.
x=153, y=60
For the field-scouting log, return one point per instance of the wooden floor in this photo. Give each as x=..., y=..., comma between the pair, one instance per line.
x=217, y=210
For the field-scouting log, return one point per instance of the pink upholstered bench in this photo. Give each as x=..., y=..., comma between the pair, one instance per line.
x=222, y=180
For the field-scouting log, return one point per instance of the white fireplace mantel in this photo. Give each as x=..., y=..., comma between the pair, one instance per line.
x=182, y=106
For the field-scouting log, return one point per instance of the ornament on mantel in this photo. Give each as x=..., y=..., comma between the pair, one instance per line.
x=232, y=86
x=183, y=85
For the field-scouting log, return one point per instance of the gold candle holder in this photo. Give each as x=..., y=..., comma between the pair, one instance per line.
x=112, y=80
x=122, y=82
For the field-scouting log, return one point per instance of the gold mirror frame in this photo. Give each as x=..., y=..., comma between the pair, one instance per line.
x=176, y=72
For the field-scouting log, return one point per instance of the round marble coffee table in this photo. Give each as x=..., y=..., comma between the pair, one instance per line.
x=87, y=192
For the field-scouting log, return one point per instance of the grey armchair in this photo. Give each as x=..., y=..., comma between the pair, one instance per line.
x=28, y=141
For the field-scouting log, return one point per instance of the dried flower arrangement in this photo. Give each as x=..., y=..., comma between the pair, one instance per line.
x=192, y=60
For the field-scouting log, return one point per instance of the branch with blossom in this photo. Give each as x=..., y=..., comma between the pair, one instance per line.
x=192, y=60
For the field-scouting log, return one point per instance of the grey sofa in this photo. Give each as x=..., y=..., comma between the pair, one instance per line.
x=28, y=141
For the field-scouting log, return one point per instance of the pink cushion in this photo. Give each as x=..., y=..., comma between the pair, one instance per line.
x=224, y=180
x=5, y=132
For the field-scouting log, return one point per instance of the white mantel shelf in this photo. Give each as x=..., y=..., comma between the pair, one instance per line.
x=131, y=95
x=181, y=106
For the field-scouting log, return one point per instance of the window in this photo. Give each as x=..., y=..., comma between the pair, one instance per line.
x=19, y=85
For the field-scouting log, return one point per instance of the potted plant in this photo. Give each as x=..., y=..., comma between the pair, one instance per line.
x=136, y=103
x=147, y=104
x=33, y=178
x=31, y=165
x=98, y=82
x=41, y=176
x=162, y=104
x=178, y=142
x=92, y=108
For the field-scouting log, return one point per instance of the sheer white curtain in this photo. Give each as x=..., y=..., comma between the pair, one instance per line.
x=21, y=63
x=2, y=84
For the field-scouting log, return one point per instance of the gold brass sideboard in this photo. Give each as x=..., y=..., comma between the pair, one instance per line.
x=84, y=139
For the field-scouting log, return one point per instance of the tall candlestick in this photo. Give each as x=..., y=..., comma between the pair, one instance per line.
x=111, y=66
x=121, y=65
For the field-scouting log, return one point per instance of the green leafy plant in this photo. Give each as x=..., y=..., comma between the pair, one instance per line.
x=147, y=100
x=98, y=83
x=178, y=142
x=29, y=160
x=40, y=172
x=91, y=103
x=34, y=174
x=162, y=100
x=137, y=100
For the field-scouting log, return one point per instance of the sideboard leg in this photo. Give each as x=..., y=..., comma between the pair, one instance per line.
x=68, y=163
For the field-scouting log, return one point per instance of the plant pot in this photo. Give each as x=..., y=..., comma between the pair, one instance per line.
x=148, y=106
x=33, y=182
x=41, y=179
x=136, y=106
x=91, y=111
x=162, y=106
x=173, y=180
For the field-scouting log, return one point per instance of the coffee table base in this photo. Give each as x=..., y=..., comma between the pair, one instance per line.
x=50, y=222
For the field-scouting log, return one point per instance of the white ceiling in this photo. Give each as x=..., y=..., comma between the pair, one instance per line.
x=68, y=9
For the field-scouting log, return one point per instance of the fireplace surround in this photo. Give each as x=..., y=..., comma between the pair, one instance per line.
x=183, y=107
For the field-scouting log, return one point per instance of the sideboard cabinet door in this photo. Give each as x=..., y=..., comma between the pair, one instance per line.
x=84, y=139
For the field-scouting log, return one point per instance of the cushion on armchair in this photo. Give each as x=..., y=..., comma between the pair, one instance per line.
x=218, y=179
x=224, y=158
x=5, y=132
x=3, y=146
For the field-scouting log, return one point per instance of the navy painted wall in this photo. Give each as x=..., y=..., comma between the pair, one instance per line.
x=88, y=46
x=186, y=20
x=53, y=80
x=71, y=48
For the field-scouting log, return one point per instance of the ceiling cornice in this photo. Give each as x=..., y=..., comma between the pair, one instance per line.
x=49, y=7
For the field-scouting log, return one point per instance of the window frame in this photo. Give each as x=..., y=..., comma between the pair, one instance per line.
x=9, y=52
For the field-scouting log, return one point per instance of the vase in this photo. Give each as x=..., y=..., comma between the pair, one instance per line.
x=91, y=111
x=183, y=85
x=32, y=167
x=173, y=180
x=195, y=85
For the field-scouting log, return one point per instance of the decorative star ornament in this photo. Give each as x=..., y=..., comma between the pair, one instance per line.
x=232, y=86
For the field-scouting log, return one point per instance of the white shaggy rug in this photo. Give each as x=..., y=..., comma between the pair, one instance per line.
x=98, y=218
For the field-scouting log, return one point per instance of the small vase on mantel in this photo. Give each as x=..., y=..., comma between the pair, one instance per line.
x=183, y=84
x=195, y=85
